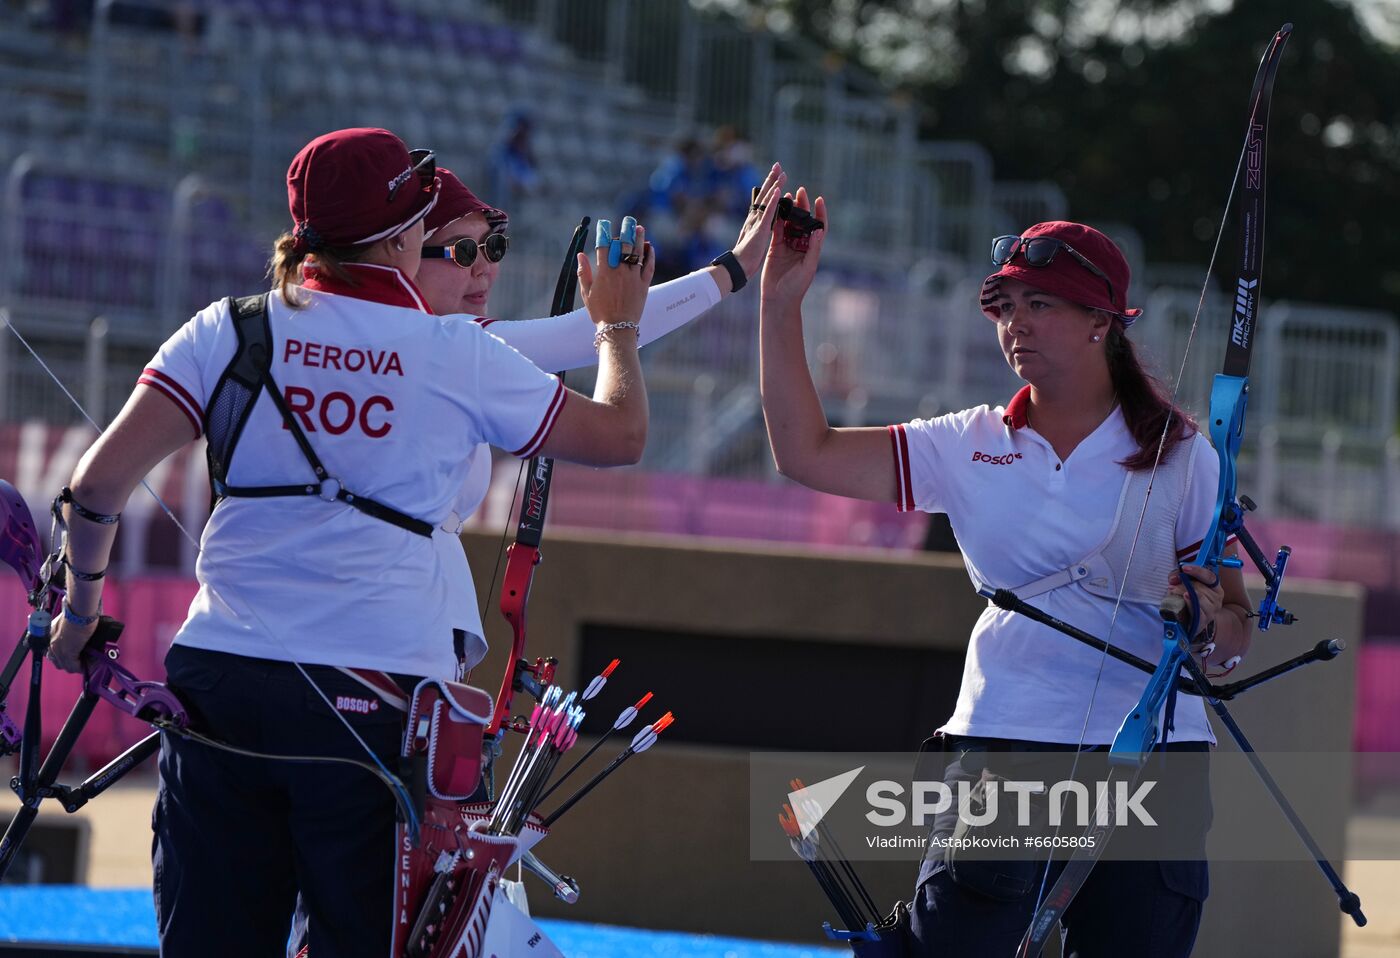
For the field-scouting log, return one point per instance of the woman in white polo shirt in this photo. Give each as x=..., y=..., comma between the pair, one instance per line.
x=342, y=416
x=1032, y=490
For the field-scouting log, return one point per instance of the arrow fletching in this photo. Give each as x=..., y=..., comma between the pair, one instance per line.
x=599, y=680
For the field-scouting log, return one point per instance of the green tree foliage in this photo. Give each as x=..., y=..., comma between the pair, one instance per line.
x=1136, y=108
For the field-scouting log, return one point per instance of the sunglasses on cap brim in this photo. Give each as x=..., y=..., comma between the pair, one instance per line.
x=1039, y=251
x=463, y=251
x=423, y=164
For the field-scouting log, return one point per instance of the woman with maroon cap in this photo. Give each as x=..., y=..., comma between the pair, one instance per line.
x=342, y=417
x=1046, y=497
x=468, y=244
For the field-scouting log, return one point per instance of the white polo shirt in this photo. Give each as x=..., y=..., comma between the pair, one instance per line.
x=395, y=401
x=1020, y=513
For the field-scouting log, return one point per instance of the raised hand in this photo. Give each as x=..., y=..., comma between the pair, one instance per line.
x=752, y=243
x=787, y=273
x=615, y=294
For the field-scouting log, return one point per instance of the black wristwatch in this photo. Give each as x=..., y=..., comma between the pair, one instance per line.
x=730, y=262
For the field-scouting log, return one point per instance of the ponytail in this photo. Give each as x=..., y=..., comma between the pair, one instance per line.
x=1147, y=406
x=289, y=254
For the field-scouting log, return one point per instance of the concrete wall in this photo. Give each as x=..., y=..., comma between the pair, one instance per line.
x=665, y=842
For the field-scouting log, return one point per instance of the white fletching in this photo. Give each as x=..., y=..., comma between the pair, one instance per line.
x=593, y=688
x=643, y=740
x=625, y=717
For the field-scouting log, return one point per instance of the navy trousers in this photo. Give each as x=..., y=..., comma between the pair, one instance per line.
x=1143, y=908
x=236, y=838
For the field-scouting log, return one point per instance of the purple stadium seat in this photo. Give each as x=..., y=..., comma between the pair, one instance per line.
x=95, y=243
x=377, y=22
x=410, y=28
x=39, y=188
x=468, y=36
x=52, y=236
x=106, y=195
x=89, y=194
x=212, y=211
x=504, y=43
x=312, y=14
x=344, y=18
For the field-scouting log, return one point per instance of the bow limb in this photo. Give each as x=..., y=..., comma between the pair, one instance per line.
x=521, y=560
x=524, y=554
x=1229, y=401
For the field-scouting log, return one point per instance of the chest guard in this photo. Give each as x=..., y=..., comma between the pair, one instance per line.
x=1155, y=557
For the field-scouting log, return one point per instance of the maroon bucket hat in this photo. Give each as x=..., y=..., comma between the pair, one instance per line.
x=1070, y=260
x=456, y=201
x=357, y=186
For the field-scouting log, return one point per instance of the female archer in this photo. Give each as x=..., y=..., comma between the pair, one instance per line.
x=1047, y=496
x=342, y=417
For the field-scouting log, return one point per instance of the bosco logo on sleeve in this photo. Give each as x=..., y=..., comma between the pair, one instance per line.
x=1002, y=460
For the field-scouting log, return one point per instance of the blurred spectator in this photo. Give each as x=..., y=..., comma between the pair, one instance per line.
x=697, y=200
x=730, y=182
x=732, y=174
x=513, y=173
x=679, y=208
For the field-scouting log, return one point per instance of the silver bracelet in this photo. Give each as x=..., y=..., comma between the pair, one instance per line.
x=609, y=327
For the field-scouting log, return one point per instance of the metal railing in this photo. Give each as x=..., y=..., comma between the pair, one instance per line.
x=892, y=326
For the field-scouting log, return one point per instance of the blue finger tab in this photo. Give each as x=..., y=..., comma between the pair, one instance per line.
x=615, y=254
x=604, y=234
x=629, y=230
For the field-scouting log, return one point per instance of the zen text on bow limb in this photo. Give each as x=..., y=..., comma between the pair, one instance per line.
x=1068, y=802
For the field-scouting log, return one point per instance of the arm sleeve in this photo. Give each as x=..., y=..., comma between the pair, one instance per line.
x=921, y=449
x=516, y=404
x=566, y=342
x=180, y=368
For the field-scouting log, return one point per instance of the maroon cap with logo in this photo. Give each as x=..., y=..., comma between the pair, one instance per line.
x=1065, y=275
x=456, y=201
x=351, y=187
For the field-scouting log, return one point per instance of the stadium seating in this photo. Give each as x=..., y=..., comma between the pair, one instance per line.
x=114, y=113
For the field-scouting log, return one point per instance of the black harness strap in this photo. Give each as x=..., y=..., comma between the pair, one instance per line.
x=250, y=371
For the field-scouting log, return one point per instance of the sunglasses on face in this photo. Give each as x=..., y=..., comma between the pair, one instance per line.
x=463, y=251
x=1040, y=251
x=423, y=164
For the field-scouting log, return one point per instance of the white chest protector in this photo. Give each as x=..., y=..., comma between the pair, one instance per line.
x=1155, y=556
